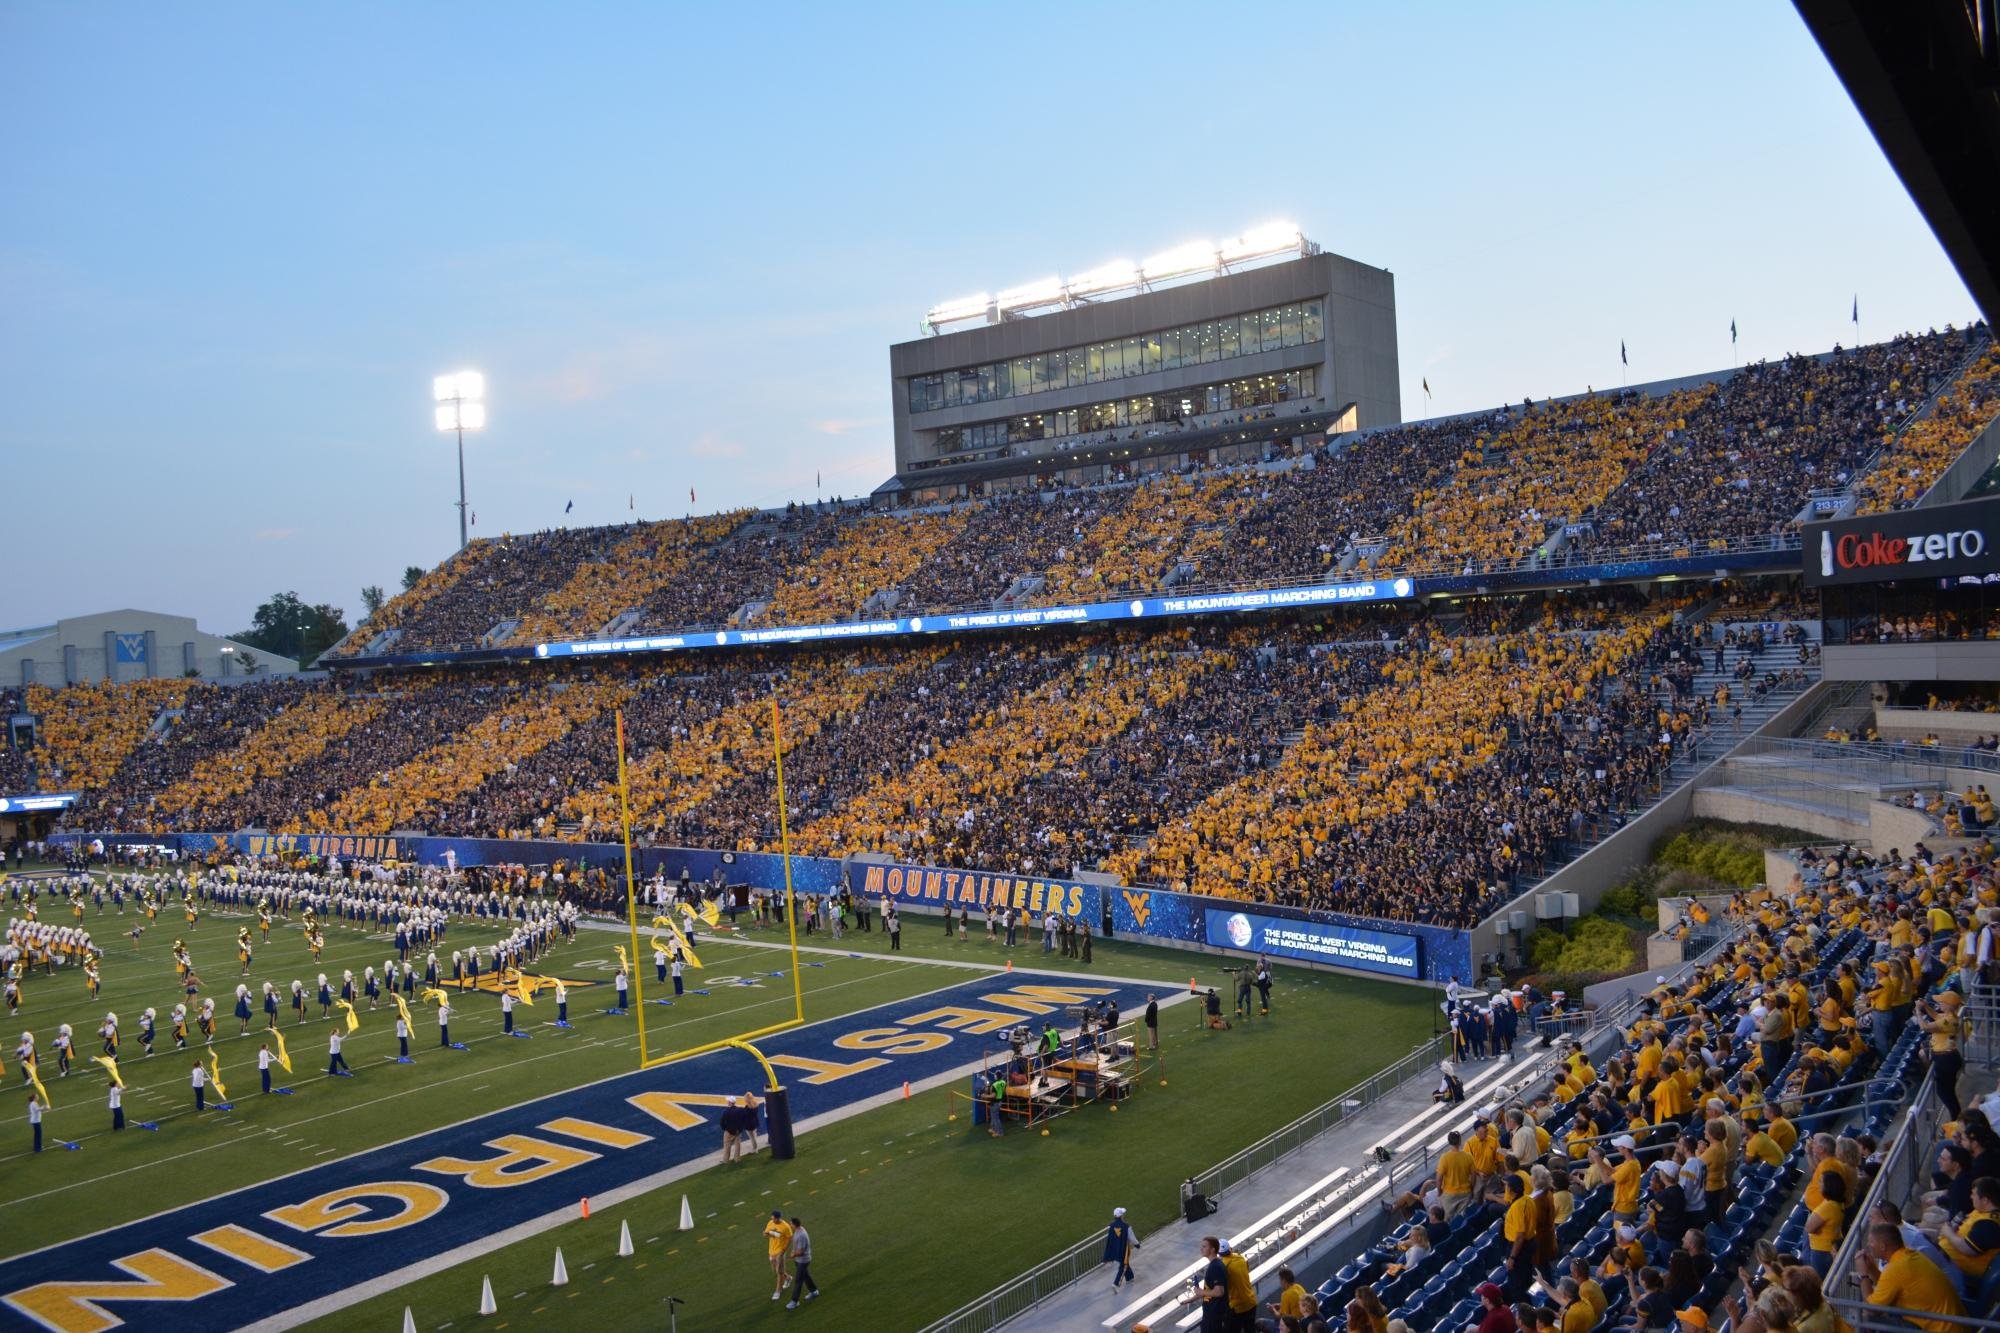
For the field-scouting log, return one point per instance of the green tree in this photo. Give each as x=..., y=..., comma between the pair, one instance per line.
x=412, y=575
x=371, y=600
x=285, y=625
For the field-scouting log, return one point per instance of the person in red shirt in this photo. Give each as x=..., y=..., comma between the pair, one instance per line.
x=1495, y=1316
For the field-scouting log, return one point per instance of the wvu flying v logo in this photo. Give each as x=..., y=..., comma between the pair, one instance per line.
x=1141, y=903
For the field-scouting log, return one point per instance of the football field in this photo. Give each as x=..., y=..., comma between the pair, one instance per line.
x=407, y=1184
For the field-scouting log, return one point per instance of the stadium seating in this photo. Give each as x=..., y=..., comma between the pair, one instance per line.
x=1917, y=457
x=1698, y=467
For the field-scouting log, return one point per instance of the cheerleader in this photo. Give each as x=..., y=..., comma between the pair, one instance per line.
x=205, y=1020
x=152, y=909
x=372, y=987
x=242, y=1009
x=264, y=919
x=299, y=999
x=325, y=997
x=147, y=1018
x=180, y=1017
x=270, y=1006
x=62, y=1051
x=183, y=963
x=347, y=985
x=24, y=1056
x=91, y=980
x=191, y=912
x=316, y=942
x=109, y=1031
x=243, y=950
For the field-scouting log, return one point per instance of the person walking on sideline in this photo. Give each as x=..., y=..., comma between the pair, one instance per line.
x=1152, y=1022
x=894, y=921
x=778, y=1234
x=803, y=1286
x=1119, y=1245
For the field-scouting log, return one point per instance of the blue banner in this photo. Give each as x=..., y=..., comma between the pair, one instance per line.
x=1312, y=941
x=28, y=805
x=1140, y=608
x=130, y=648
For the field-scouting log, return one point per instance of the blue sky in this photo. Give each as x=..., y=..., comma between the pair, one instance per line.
x=236, y=241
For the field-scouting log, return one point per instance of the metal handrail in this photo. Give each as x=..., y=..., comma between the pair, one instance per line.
x=1030, y=1289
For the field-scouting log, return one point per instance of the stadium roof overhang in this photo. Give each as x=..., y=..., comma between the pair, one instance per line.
x=1925, y=75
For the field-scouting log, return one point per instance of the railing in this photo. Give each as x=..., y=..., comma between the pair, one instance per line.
x=1023, y=1293
x=1911, y=762
x=1905, y=1167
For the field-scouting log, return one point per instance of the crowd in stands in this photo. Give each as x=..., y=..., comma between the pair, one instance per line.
x=1547, y=470
x=1388, y=760
x=1746, y=460
x=85, y=731
x=1691, y=469
x=1707, y=1170
x=1918, y=456
x=653, y=555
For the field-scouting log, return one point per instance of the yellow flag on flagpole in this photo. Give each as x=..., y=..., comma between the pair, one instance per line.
x=662, y=922
x=624, y=961
x=215, y=1077
x=111, y=1068
x=711, y=912
x=522, y=990
x=41, y=1093
x=402, y=1010
x=284, y=1056
x=352, y=1021
x=433, y=994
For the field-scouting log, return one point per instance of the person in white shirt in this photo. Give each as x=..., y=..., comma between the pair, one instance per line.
x=264, y=1067
x=506, y=1011
x=679, y=965
x=402, y=1038
x=336, y=1064
x=444, y=1023
x=199, y=1081
x=117, y=1103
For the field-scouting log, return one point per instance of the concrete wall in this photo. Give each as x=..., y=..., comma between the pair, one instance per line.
x=84, y=648
x=1744, y=807
x=1911, y=661
x=1898, y=826
x=1966, y=469
x=1952, y=728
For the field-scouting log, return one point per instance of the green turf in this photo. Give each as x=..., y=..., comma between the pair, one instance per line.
x=911, y=1215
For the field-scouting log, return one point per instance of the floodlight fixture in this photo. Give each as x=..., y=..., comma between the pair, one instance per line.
x=1181, y=261
x=1273, y=238
x=1111, y=277
x=461, y=406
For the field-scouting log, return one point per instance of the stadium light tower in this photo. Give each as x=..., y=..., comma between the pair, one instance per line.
x=461, y=406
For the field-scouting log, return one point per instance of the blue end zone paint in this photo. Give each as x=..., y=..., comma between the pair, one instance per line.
x=470, y=1212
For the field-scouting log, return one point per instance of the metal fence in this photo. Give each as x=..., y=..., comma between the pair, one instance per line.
x=1030, y=1289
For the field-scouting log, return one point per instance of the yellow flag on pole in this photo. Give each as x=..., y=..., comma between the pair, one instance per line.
x=522, y=990
x=662, y=922
x=41, y=1093
x=215, y=1077
x=624, y=961
x=284, y=1056
x=434, y=995
x=111, y=1068
x=711, y=912
x=402, y=1010
x=352, y=1021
